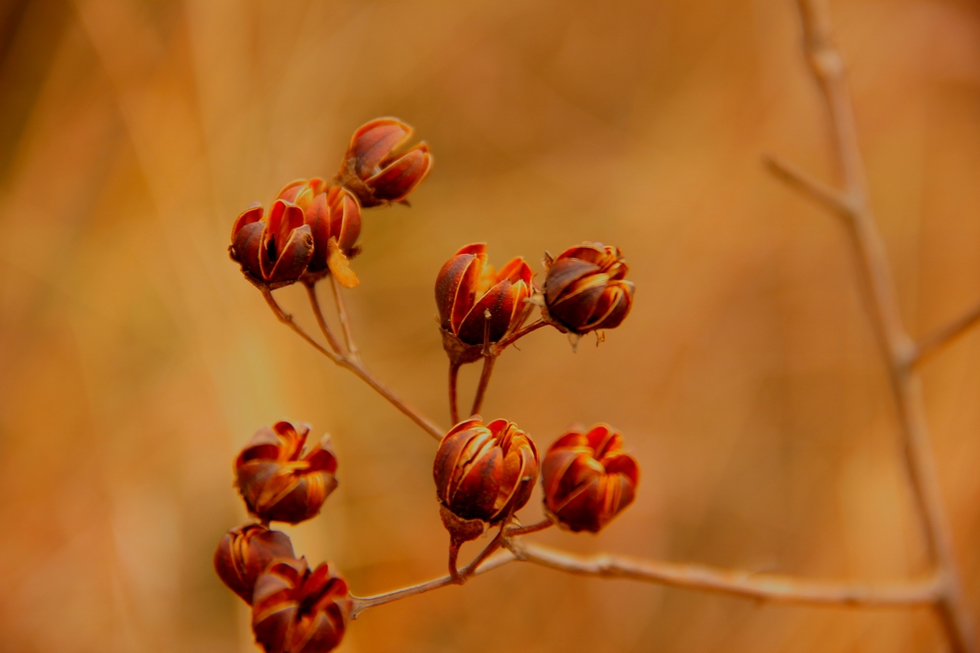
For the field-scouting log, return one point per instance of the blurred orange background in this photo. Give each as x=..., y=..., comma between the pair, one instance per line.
x=135, y=360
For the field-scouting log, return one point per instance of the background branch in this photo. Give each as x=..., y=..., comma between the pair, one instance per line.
x=897, y=347
x=947, y=334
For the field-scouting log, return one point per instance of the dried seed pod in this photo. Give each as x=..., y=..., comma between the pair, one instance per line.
x=374, y=172
x=274, y=252
x=334, y=217
x=482, y=474
x=278, y=481
x=587, y=478
x=478, y=305
x=296, y=610
x=585, y=288
x=245, y=552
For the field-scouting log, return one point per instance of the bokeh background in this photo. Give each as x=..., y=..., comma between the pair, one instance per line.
x=135, y=361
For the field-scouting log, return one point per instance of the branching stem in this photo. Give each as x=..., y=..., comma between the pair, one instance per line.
x=520, y=333
x=944, y=336
x=363, y=603
x=896, y=346
x=514, y=531
x=762, y=587
x=324, y=327
x=353, y=366
x=732, y=582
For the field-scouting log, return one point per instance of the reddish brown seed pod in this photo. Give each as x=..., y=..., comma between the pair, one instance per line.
x=587, y=478
x=585, y=288
x=273, y=250
x=477, y=304
x=278, y=481
x=334, y=218
x=245, y=552
x=298, y=610
x=374, y=171
x=482, y=474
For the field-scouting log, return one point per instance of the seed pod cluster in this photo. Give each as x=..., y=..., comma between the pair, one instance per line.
x=312, y=228
x=294, y=609
x=483, y=472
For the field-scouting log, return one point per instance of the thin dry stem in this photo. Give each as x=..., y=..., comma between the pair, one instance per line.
x=732, y=582
x=514, y=531
x=453, y=383
x=520, y=333
x=481, y=389
x=466, y=572
x=324, y=327
x=935, y=341
x=761, y=587
x=807, y=184
x=353, y=366
x=363, y=603
x=454, y=546
x=896, y=346
x=338, y=299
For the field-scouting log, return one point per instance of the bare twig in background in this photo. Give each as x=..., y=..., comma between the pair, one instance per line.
x=947, y=334
x=897, y=347
x=806, y=184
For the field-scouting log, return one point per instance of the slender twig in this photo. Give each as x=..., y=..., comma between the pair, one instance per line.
x=947, y=334
x=733, y=582
x=287, y=319
x=481, y=389
x=897, y=347
x=454, y=546
x=324, y=327
x=354, y=367
x=762, y=587
x=344, y=318
x=514, y=531
x=453, y=402
x=363, y=603
x=807, y=184
x=520, y=333
x=466, y=572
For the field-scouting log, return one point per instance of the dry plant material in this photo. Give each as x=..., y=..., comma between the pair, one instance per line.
x=273, y=252
x=588, y=479
x=245, y=552
x=484, y=473
x=281, y=482
x=334, y=218
x=586, y=288
x=298, y=610
x=375, y=172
